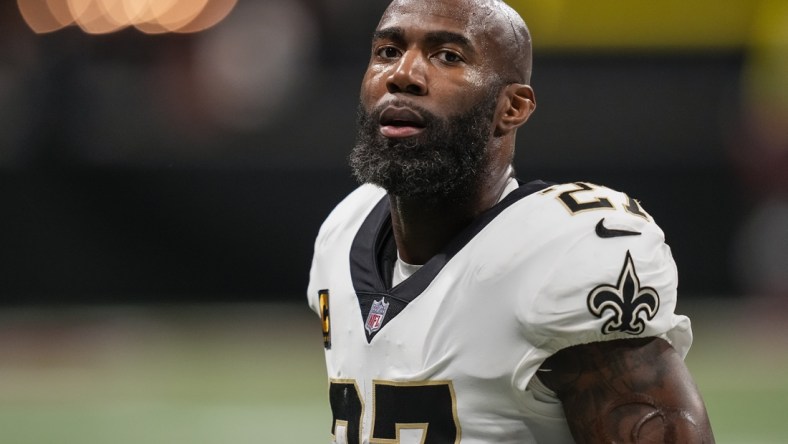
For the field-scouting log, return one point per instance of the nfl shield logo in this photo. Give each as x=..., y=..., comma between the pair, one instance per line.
x=376, y=315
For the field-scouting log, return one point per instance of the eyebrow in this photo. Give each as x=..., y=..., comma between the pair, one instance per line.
x=438, y=37
x=397, y=34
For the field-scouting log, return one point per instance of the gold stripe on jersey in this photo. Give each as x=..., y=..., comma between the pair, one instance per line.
x=325, y=317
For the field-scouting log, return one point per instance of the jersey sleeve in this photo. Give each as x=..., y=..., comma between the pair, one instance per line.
x=608, y=275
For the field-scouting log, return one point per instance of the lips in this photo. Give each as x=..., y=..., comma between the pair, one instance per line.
x=397, y=122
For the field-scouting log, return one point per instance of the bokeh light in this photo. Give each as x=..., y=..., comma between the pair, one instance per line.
x=105, y=16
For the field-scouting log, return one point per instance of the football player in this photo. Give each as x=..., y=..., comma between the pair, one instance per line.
x=461, y=305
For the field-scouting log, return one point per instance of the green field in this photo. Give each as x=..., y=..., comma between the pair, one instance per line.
x=255, y=374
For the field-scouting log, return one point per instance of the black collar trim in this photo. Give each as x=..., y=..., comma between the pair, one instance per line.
x=371, y=238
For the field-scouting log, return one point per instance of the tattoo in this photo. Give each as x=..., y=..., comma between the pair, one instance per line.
x=637, y=417
x=628, y=391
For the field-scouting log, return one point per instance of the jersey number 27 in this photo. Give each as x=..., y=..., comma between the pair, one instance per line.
x=402, y=412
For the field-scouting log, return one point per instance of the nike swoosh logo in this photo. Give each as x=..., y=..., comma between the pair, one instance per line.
x=606, y=233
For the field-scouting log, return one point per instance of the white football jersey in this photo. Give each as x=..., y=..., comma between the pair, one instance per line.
x=449, y=355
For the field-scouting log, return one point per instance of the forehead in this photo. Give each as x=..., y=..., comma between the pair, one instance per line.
x=476, y=20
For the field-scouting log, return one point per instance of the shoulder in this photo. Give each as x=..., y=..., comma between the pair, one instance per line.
x=350, y=212
x=577, y=218
x=584, y=198
x=360, y=199
x=568, y=233
x=581, y=211
x=597, y=266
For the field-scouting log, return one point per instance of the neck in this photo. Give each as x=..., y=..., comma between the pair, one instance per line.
x=422, y=228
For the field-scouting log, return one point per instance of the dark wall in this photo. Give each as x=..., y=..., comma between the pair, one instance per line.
x=125, y=175
x=75, y=231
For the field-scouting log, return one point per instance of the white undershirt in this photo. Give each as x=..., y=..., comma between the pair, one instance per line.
x=404, y=270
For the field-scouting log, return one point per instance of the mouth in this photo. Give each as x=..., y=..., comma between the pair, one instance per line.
x=399, y=122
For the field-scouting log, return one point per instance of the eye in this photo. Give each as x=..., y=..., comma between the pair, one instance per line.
x=387, y=52
x=448, y=56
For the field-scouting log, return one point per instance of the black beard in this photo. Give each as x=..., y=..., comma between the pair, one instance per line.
x=447, y=160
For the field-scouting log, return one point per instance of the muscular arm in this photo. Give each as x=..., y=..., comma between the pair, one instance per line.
x=627, y=391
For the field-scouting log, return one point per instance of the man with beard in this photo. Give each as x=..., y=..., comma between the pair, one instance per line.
x=461, y=305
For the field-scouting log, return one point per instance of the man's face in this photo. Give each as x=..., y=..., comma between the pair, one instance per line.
x=428, y=101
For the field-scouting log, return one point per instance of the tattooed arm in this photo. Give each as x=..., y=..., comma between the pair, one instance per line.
x=627, y=391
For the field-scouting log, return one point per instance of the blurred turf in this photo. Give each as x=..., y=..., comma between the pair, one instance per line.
x=739, y=360
x=255, y=374
x=243, y=374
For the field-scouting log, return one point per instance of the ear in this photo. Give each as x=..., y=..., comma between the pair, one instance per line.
x=518, y=102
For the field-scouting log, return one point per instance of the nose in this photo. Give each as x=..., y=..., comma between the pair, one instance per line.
x=408, y=75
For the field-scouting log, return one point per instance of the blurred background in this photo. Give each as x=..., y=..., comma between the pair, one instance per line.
x=165, y=166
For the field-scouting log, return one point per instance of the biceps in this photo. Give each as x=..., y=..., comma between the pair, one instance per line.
x=628, y=391
x=637, y=418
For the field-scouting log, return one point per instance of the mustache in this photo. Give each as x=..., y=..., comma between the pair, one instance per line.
x=374, y=114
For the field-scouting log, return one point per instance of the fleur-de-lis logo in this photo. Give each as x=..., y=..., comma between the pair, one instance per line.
x=626, y=300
